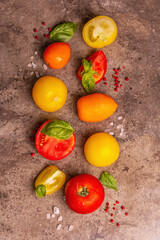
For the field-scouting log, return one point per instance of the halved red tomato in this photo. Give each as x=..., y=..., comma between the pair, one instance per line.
x=53, y=148
x=99, y=64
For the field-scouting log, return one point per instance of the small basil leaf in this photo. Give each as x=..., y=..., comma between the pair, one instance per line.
x=40, y=191
x=58, y=129
x=108, y=180
x=63, y=32
x=88, y=82
x=87, y=64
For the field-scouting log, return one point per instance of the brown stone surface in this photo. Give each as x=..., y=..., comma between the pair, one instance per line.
x=23, y=215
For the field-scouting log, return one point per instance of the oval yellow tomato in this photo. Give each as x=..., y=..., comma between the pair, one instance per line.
x=101, y=149
x=49, y=181
x=49, y=93
x=99, y=31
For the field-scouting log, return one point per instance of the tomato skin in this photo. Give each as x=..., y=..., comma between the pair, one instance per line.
x=60, y=148
x=89, y=203
x=99, y=64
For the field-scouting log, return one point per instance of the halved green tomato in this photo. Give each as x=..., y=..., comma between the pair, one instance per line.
x=49, y=181
x=99, y=31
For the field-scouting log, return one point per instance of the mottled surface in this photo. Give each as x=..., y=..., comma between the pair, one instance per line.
x=23, y=216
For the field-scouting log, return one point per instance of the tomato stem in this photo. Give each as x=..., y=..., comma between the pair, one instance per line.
x=82, y=191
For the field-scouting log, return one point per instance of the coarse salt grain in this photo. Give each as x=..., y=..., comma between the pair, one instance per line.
x=31, y=73
x=48, y=216
x=53, y=215
x=34, y=65
x=37, y=74
x=31, y=57
x=45, y=67
x=111, y=124
x=118, y=127
x=56, y=210
x=111, y=133
x=60, y=218
x=70, y=228
x=35, y=52
x=120, y=118
x=29, y=65
x=107, y=130
x=59, y=226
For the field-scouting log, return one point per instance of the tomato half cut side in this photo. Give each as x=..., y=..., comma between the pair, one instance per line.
x=52, y=148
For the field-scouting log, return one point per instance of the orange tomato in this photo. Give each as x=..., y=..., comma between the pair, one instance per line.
x=95, y=107
x=57, y=55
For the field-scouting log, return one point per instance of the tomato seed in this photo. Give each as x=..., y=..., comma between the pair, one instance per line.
x=126, y=213
x=45, y=35
x=35, y=30
x=117, y=202
x=118, y=224
x=106, y=210
x=32, y=154
x=49, y=29
x=112, y=221
x=122, y=207
x=127, y=79
x=36, y=37
x=114, y=208
x=43, y=23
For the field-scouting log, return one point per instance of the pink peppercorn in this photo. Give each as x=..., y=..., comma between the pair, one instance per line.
x=123, y=66
x=116, y=89
x=118, y=224
x=127, y=79
x=121, y=85
x=116, y=73
x=49, y=29
x=122, y=207
x=35, y=30
x=45, y=35
x=32, y=154
x=117, y=202
x=114, y=204
x=113, y=76
x=106, y=210
x=114, y=208
x=117, y=78
x=119, y=69
x=105, y=83
x=111, y=214
x=126, y=213
x=112, y=221
x=31, y=138
x=107, y=204
x=48, y=35
x=36, y=37
x=43, y=23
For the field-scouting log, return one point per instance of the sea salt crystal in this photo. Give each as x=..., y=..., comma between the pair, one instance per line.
x=111, y=124
x=118, y=127
x=107, y=130
x=60, y=218
x=53, y=215
x=37, y=74
x=59, y=226
x=56, y=210
x=31, y=73
x=45, y=67
x=122, y=131
x=70, y=228
x=111, y=133
x=32, y=57
x=35, y=52
x=34, y=65
x=120, y=118
x=29, y=65
x=48, y=216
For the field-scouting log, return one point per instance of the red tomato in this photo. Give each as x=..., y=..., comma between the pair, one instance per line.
x=84, y=193
x=53, y=148
x=99, y=64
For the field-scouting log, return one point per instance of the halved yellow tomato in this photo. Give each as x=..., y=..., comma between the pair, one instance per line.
x=99, y=31
x=49, y=181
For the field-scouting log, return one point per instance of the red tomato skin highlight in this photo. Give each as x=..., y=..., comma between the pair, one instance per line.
x=99, y=63
x=60, y=148
x=88, y=204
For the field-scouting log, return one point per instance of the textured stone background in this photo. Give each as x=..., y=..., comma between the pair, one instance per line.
x=23, y=216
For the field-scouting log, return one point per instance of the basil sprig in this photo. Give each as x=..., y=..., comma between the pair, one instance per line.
x=88, y=80
x=58, y=129
x=63, y=32
x=108, y=180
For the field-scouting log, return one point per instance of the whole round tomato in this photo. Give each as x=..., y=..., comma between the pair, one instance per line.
x=84, y=193
x=53, y=148
x=100, y=31
x=57, y=55
x=49, y=93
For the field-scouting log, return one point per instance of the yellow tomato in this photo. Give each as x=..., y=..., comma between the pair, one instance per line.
x=100, y=31
x=49, y=93
x=49, y=181
x=101, y=149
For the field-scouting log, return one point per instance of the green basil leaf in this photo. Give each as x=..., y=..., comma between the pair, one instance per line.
x=88, y=82
x=63, y=32
x=93, y=72
x=87, y=64
x=108, y=180
x=58, y=129
x=40, y=191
